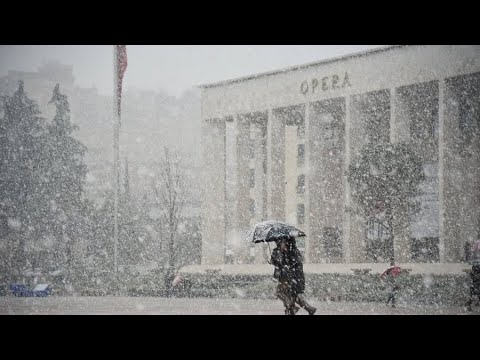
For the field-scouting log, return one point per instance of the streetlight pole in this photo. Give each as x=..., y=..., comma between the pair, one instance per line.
x=116, y=155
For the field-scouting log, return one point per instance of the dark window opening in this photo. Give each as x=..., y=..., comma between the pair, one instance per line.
x=379, y=246
x=425, y=249
x=301, y=154
x=251, y=207
x=300, y=214
x=301, y=130
x=301, y=184
x=251, y=178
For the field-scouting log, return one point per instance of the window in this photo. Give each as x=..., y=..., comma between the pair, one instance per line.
x=329, y=133
x=331, y=130
x=4, y=228
x=251, y=257
x=251, y=207
x=425, y=249
x=301, y=244
x=468, y=121
x=467, y=118
x=301, y=154
x=434, y=124
x=379, y=244
x=300, y=214
x=301, y=184
x=425, y=224
x=301, y=130
x=251, y=149
x=424, y=122
x=251, y=178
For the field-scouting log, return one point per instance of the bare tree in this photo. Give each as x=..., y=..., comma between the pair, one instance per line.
x=169, y=190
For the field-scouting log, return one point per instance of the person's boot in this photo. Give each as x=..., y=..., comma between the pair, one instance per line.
x=311, y=310
x=292, y=310
x=301, y=301
x=469, y=305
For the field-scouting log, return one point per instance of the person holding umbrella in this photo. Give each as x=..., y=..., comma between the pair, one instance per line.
x=389, y=276
x=474, y=260
x=287, y=260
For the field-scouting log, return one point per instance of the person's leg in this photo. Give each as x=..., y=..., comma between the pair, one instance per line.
x=470, y=298
x=390, y=296
x=474, y=288
x=292, y=310
x=300, y=299
x=283, y=294
x=394, y=295
x=476, y=292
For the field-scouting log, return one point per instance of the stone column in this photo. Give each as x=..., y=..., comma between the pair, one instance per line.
x=441, y=159
x=399, y=132
x=308, y=242
x=259, y=189
x=315, y=173
x=213, y=234
x=347, y=256
x=461, y=161
x=291, y=172
x=276, y=166
x=242, y=249
x=356, y=141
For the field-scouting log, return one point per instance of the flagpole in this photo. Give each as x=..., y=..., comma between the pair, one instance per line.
x=116, y=162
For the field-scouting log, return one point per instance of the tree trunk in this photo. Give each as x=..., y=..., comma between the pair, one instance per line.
x=170, y=273
x=390, y=242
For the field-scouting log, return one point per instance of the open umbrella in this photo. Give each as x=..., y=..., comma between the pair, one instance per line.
x=272, y=230
x=476, y=246
x=393, y=271
x=475, y=254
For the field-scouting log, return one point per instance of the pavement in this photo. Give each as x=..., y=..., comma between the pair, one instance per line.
x=110, y=305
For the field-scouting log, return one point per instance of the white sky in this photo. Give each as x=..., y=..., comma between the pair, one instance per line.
x=173, y=68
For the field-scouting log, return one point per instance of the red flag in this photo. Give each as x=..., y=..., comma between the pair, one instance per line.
x=121, y=68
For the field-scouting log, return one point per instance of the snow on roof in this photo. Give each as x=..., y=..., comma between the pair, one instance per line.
x=303, y=66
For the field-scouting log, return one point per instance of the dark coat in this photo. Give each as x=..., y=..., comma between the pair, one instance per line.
x=289, y=268
x=475, y=277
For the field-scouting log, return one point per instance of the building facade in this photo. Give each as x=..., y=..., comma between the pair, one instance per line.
x=277, y=146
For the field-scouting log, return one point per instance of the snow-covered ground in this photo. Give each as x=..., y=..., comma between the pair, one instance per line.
x=203, y=306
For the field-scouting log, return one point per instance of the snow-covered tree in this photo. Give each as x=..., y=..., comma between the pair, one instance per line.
x=65, y=174
x=22, y=130
x=169, y=190
x=384, y=180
